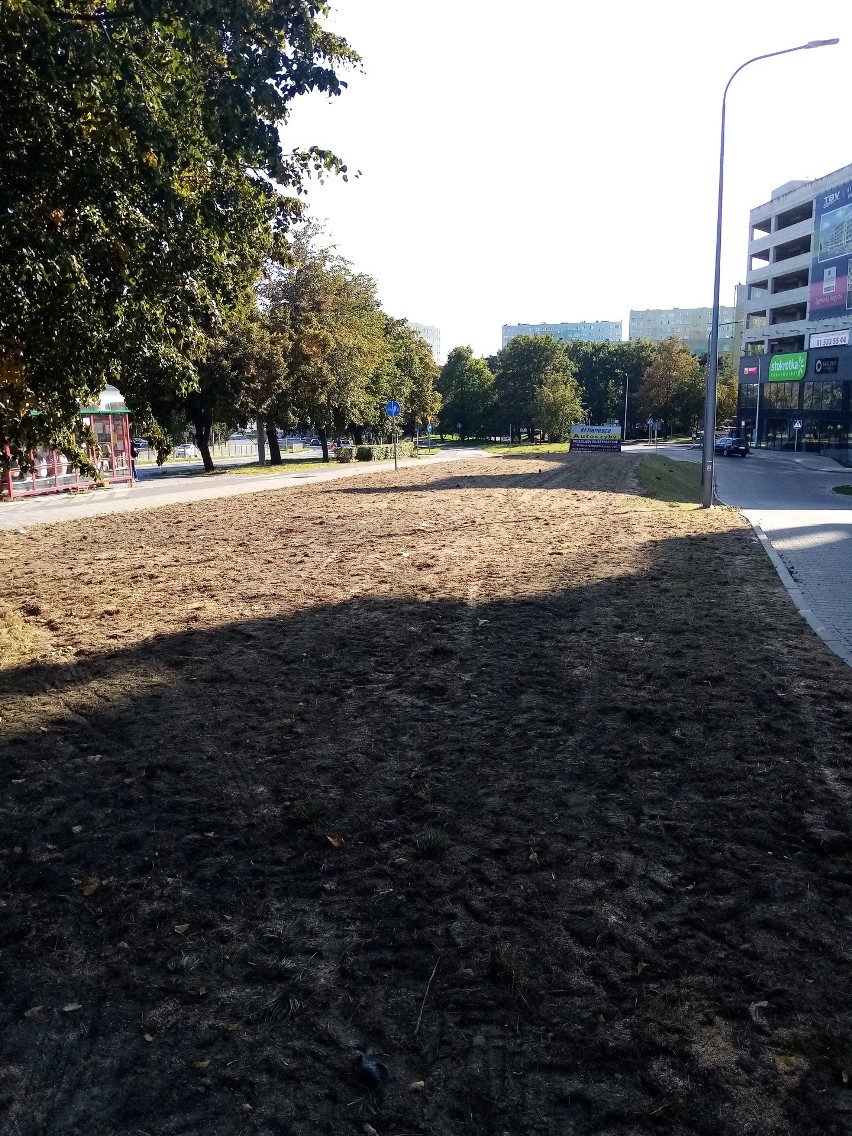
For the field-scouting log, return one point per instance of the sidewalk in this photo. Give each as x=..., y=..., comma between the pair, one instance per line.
x=50, y=510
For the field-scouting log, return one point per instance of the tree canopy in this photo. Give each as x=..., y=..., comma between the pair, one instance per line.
x=142, y=181
x=535, y=376
x=467, y=389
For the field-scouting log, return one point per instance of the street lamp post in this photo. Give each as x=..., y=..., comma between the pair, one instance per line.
x=713, y=360
x=626, y=378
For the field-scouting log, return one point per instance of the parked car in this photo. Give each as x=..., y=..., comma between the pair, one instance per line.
x=734, y=442
x=140, y=443
x=187, y=450
x=239, y=437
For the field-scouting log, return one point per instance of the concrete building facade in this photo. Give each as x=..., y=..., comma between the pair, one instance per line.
x=432, y=335
x=598, y=331
x=795, y=388
x=689, y=324
x=787, y=244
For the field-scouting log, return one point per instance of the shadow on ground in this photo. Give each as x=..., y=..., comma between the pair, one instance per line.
x=235, y=856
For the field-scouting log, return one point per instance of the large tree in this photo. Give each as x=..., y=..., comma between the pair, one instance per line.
x=605, y=370
x=406, y=374
x=466, y=386
x=142, y=178
x=336, y=333
x=526, y=365
x=672, y=387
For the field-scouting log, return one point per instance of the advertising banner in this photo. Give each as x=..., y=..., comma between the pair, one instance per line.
x=606, y=438
x=831, y=278
x=788, y=368
x=830, y=338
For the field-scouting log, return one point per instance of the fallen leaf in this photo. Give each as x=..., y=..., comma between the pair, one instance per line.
x=71, y=1007
x=336, y=841
x=400, y=861
x=77, y=829
x=181, y=928
x=482, y=622
x=91, y=886
x=422, y=794
x=844, y=1076
x=201, y=1064
x=33, y=1011
x=641, y=965
x=417, y=1086
x=414, y=771
x=246, y=1106
x=533, y=856
x=147, y=1037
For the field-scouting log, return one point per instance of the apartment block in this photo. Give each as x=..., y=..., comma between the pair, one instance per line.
x=689, y=324
x=599, y=331
x=432, y=335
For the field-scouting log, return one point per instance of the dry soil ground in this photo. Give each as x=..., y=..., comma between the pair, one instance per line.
x=527, y=787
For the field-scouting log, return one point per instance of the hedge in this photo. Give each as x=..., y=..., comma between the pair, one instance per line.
x=404, y=449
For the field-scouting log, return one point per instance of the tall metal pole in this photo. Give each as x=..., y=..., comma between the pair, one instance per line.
x=713, y=360
x=626, y=386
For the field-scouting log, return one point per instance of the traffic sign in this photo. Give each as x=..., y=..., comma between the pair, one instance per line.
x=429, y=428
x=392, y=409
x=797, y=425
x=649, y=422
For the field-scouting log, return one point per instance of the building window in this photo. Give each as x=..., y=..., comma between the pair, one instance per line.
x=823, y=396
x=748, y=395
x=783, y=396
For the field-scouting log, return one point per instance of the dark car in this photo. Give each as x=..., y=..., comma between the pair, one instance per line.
x=734, y=442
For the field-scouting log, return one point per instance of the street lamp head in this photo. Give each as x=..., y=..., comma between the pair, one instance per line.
x=822, y=43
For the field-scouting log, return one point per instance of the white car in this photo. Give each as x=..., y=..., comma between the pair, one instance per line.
x=187, y=450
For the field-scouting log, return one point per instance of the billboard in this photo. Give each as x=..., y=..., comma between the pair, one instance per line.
x=831, y=269
x=585, y=437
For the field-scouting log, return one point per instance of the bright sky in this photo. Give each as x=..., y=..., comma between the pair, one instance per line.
x=559, y=161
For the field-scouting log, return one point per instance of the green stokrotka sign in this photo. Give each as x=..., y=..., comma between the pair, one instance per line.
x=788, y=368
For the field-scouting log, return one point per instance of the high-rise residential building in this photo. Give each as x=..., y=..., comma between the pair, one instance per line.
x=799, y=252
x=692, y=325
x=795, y=388
x=599, y=331
x=432, y=335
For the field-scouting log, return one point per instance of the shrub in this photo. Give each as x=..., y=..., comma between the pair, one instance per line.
x=404, y=449
x=345, y=453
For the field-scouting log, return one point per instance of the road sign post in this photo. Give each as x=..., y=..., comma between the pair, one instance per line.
x=392, y=411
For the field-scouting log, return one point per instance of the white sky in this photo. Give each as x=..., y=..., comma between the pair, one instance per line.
x=558, y=160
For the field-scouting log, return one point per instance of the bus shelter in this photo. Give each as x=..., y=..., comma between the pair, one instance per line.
x=53, y=473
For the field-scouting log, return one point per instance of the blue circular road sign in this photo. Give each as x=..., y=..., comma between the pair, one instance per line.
x=429, y=428
x=392, y=409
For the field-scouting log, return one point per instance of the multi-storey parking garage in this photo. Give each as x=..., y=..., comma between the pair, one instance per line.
x=796, y=371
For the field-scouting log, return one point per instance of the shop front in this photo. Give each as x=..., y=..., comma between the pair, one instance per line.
x=798, y=401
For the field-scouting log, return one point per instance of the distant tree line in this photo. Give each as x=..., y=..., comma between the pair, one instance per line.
x=541, y=385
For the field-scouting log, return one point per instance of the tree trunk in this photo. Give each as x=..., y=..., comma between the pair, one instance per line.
x=323, y=437
x=272, y=438
x=202, y=440
x=358, y=434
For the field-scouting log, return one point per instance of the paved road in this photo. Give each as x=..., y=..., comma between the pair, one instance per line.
x=809, y=528
x=151, y=492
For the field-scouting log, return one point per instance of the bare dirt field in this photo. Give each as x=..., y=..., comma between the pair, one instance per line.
x=531, y=790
